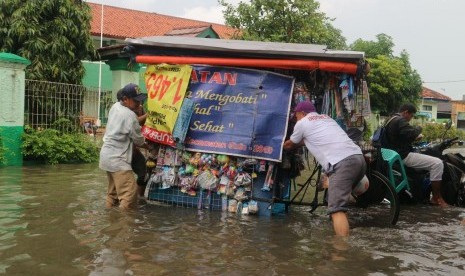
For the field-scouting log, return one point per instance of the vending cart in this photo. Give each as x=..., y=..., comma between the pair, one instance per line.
x=220, y=110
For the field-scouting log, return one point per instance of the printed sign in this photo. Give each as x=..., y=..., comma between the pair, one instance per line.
x=166, y=88
x=241, y=112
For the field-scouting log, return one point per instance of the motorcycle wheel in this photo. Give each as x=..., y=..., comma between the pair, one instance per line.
x=451, y=183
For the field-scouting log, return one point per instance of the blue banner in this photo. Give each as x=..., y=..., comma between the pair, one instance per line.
x=240, y=112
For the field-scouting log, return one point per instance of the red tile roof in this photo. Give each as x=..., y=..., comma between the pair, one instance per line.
x=188, y=31
x=121, y=23
x=431, y=94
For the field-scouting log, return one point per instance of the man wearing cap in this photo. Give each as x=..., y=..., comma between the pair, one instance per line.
x=138, y=162
x=122, y=132
x=338, y=155
x=400, y=135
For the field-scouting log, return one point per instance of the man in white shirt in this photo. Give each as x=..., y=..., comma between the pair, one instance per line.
x=338, y=155
x=138, y=162
x=122, y=132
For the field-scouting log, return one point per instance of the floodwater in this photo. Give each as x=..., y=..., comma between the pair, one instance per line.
x=53, y=222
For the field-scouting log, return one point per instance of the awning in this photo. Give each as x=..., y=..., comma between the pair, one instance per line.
x=425, y=114
x=330, y=66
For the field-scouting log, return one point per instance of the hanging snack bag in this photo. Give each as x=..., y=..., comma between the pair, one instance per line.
x=232, y=205
x=207, y=180
x=168, y=178
x=240, y=194
x=253, y=207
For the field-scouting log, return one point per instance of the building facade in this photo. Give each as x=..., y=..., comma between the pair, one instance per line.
x=434, y=105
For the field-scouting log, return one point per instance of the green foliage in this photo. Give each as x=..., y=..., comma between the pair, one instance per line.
x=2, y=151
x=367, y=132
x=294, y=21
x=64, y=125
x=53, y=34
x=384, y=46
x=433, y=132
x=412, y=83
x=391, y=80
x=54, y=147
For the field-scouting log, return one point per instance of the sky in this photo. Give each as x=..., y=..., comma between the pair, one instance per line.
x=431, y=31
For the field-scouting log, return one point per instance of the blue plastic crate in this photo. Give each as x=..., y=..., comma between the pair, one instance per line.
x=174, y=196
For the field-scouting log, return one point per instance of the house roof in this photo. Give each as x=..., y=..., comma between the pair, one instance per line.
x=121, y=23
x=427, y=93
x=188, y=31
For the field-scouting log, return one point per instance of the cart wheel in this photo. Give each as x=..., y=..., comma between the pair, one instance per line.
x=380, y=203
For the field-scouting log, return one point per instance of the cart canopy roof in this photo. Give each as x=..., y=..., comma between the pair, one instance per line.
x=207, y=47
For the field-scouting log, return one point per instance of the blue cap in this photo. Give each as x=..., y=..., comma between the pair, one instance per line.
x=132, y=90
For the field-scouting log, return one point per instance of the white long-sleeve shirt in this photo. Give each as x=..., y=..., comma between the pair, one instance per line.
x=122, y=131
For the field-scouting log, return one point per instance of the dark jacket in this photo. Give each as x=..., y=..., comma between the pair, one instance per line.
x=400, y=135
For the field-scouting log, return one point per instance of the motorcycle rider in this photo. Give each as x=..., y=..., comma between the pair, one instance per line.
x=400, y=135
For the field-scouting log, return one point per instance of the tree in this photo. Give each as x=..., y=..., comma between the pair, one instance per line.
x=391, y=80
x=384, y=46
x=412, y=81
x=294, y=21
x=53, y=34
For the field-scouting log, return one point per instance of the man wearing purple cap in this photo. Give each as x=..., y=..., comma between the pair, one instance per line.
x=122, y=132
x=338, y=155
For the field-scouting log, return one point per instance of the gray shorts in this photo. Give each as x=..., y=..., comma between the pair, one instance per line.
x=343, y=176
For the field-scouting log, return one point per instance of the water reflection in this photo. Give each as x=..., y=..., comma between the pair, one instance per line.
x=53, y=222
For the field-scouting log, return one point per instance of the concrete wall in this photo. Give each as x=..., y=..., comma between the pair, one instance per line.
x=12, y=87
x=92, y=75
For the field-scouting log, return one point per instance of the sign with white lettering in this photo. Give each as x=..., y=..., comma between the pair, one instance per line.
x=241, y=112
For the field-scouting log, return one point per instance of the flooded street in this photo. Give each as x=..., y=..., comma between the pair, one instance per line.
x=53, y=222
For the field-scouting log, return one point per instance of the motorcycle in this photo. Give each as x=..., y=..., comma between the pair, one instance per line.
x=453, y=178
